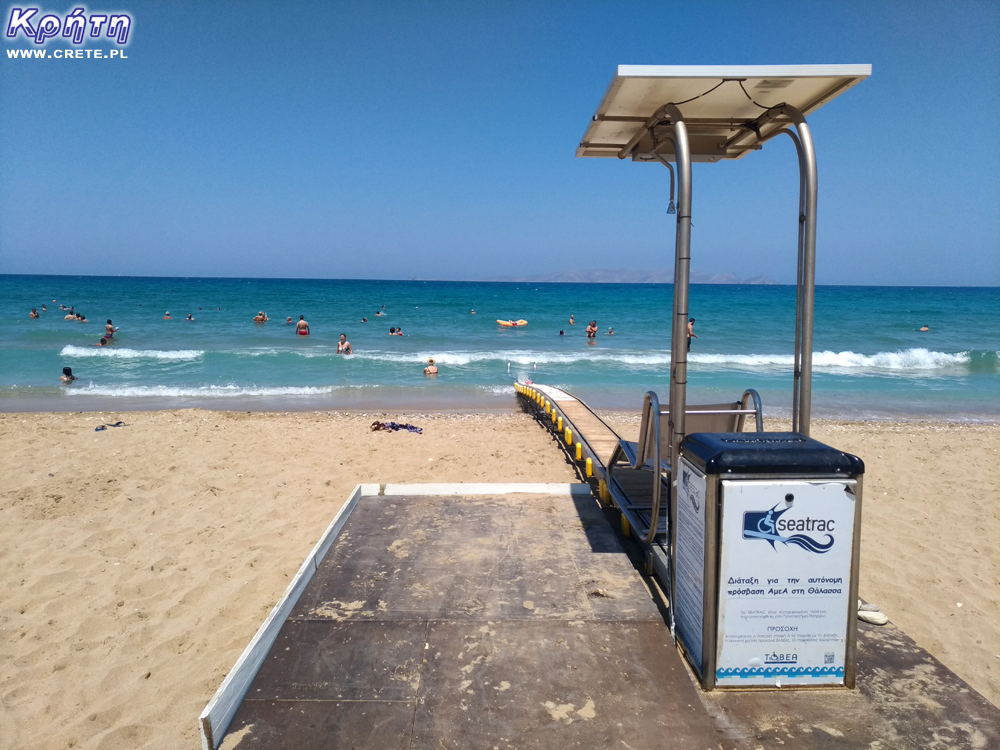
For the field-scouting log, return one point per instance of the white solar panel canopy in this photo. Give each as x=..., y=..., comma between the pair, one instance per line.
x=722, y=105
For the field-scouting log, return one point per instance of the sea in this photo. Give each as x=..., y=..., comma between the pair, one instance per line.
x=870, y=361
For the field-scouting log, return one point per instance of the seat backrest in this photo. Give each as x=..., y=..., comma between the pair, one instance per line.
x=717, y=422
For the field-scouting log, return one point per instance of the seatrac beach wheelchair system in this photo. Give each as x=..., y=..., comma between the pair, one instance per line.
x=676, y=115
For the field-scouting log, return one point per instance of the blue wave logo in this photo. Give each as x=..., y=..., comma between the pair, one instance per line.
x=769, y=526
x=686, y=482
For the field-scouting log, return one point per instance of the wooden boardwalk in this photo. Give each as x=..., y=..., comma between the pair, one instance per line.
x=587, y=426
x=630, y=489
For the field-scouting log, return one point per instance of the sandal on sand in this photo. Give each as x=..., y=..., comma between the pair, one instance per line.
x=106, y=426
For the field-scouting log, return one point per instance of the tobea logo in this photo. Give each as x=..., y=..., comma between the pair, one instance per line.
x=771, y=527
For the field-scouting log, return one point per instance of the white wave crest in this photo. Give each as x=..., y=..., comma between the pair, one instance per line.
x=500, y=390
x=909, y=359
x=210, y=391
x=111, y=351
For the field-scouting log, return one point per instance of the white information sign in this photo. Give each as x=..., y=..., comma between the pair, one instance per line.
x=784, y=582
x=689, y=609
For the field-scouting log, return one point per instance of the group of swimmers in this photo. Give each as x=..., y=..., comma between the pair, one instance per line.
x=591, y=328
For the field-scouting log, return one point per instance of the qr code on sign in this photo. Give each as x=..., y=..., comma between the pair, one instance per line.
x=828, y=657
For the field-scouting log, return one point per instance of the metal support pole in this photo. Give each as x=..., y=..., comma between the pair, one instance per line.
x=797, y=371
x=682, y=271
x=807, y=277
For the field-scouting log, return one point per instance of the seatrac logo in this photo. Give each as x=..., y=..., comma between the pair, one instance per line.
x=771, y=527
x=76, y=27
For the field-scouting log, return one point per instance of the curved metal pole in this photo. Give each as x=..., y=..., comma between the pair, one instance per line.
x=797, y=369
x=670, y=209
x=807, y=277
x=682, y=271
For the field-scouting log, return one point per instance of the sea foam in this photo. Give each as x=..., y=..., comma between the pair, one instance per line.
x=111, y=351
x=208, y=391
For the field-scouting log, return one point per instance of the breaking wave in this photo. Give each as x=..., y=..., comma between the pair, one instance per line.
x=210, y=391
x=113, y=352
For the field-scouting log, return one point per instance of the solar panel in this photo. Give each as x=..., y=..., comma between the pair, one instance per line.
x=722, y=105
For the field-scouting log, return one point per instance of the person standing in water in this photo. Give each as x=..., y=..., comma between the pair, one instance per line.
x=691, y=333
x=302, y=328
x=592, y=329
x=431, y=368
x=67, y=376
x=344, y=346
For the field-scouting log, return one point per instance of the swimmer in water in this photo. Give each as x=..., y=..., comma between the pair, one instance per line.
x=259, y=317
x=288, y=321
x=611, y=332
x=924, y=328
x=68, y=376
x=34, y=313
x=166, y=315
x=190, y=316
x=302, y=328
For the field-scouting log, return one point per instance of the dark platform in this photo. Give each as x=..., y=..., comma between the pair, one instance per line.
x=519, y=621
x=474, y=622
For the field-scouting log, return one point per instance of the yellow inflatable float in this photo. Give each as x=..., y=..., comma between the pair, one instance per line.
x=512, y=323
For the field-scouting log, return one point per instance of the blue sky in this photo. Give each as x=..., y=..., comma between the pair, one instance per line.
x=436, y=140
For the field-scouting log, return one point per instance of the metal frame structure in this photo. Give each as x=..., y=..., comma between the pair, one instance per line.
x=720, y=130
x=722, y=122
x=670, y=116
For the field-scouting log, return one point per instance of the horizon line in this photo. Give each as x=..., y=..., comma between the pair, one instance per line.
x=491, y=281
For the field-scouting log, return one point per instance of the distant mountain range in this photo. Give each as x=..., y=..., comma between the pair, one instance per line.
x=633, y=276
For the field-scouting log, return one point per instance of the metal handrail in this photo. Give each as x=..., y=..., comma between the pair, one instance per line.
x=712, y=411
x=652, y=401
x=757, y=409
x=651, y=405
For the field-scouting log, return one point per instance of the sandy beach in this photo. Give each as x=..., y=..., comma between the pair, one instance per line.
x=138, y=561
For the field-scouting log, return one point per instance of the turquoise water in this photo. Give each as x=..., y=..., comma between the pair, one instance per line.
x=869, y=359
